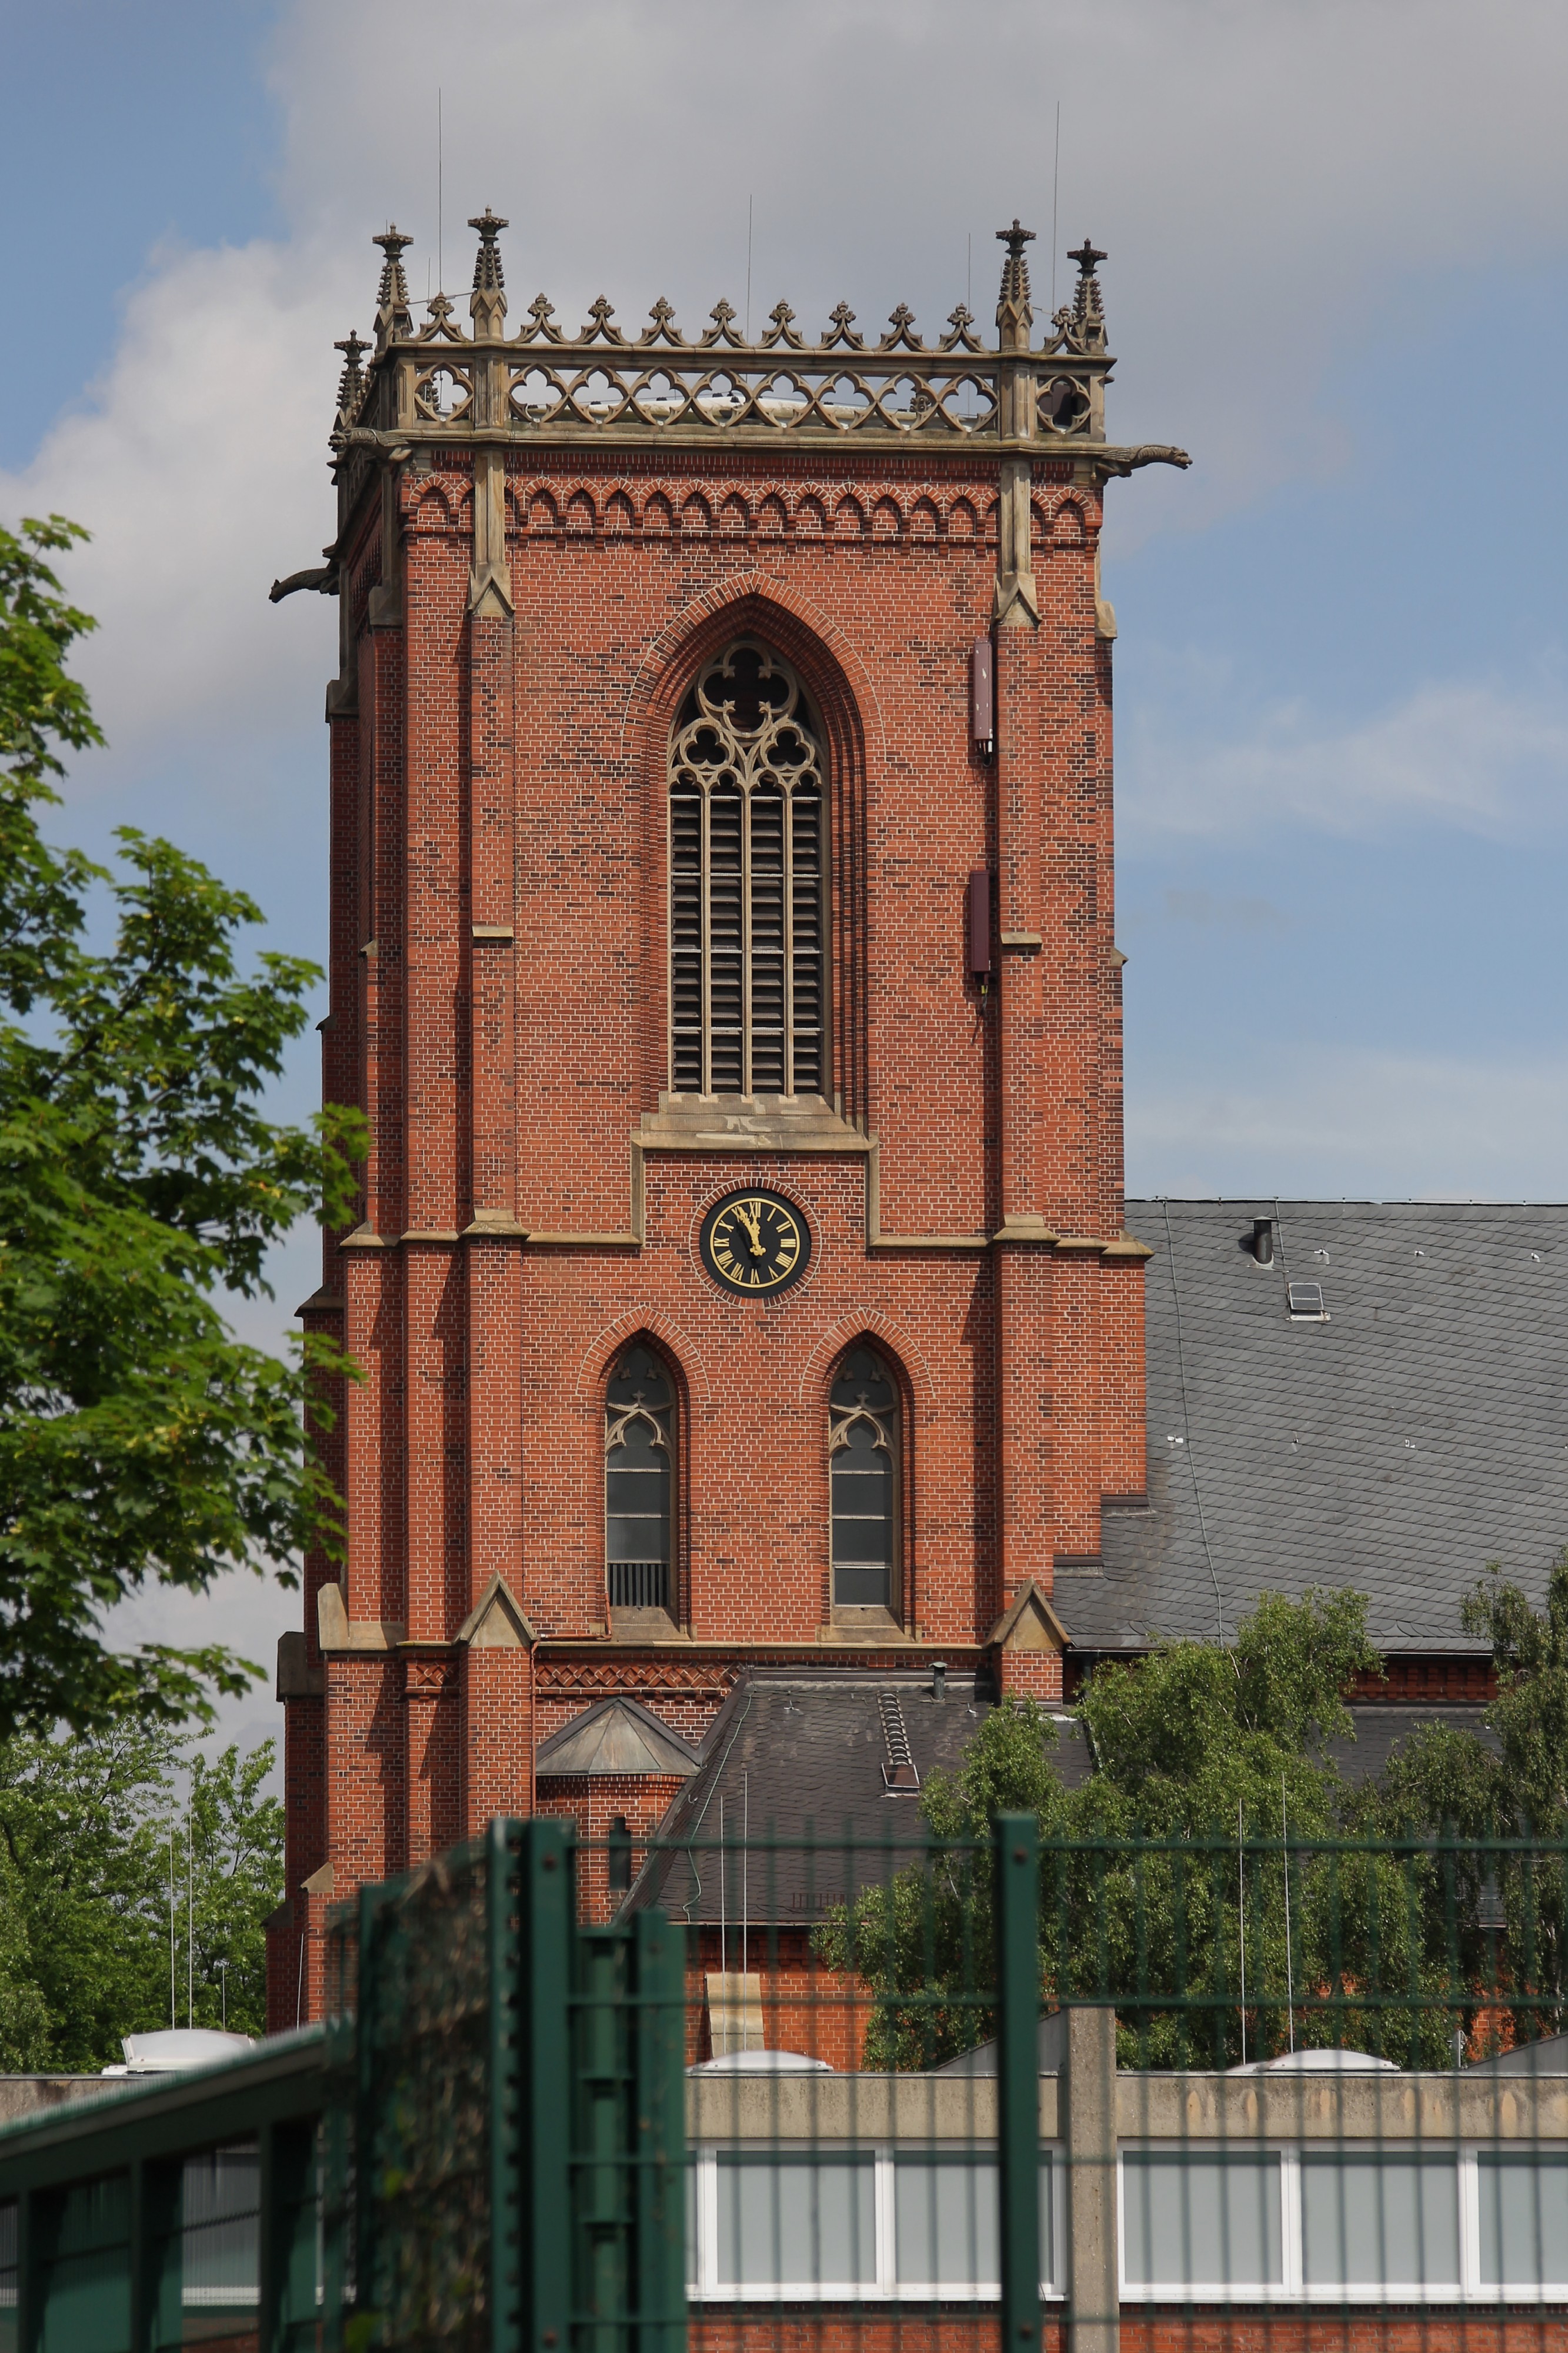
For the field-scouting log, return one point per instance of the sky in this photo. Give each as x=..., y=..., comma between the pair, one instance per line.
x=1338, y=241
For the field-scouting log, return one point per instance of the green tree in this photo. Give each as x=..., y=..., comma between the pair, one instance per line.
x=1203, y=1757
x=141, y=1443
x=107, y=1867
x=235, y=1856
x=1496, y=1894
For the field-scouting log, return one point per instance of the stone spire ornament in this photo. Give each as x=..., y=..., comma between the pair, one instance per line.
x=1015, y=314
x=1088, y=311
x=351, y=385
x=487, y=305
x=1017, y=604
x=490, y=576
x=393, y=316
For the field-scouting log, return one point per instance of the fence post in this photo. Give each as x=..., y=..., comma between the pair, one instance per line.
x=366, y=2021
x=659, y=2123
x=543, y=2210
x=1090, y=2133
x=29, y=2306
x=287, y=2237
x=1017, y=1853
x=155, y=2252
x=338, y=2248
x=503, y=1924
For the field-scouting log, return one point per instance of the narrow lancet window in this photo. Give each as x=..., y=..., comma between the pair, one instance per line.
x=747, y=976
x=639, y=1483
x=863, y=1455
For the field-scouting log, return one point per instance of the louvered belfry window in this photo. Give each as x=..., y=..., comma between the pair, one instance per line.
x=747, y=970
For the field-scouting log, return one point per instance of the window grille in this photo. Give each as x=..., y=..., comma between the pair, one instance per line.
x=639, y=1481
x=747, y=974
x=863, y=1453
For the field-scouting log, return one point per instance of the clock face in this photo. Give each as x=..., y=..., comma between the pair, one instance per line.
x=755, y=1244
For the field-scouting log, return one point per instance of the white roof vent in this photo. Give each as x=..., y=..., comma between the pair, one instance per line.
x=171, y=2050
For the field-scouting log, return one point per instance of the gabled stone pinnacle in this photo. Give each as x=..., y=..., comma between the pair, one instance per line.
x=392, y=315
x=488, y=279
x=487, y=304
x=1088, y=311
x=1015, y=316
x=350, y=387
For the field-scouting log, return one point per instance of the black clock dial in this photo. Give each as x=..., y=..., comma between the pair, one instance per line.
x=754, y=1243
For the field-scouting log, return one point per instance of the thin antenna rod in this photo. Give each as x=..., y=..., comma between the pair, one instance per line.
x=1241, y=1917
x=749, y=203
x=1056, y=187
x=440, y=197
x=1290, y=1980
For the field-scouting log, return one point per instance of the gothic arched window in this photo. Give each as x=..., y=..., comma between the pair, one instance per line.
x=747, y=970
x=863, y=1462
x=640, y=1482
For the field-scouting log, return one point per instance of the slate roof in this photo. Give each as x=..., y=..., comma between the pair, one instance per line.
x=794, y=1757
x=1381, y=1732
x=798, y=1754
x=1418, y=1433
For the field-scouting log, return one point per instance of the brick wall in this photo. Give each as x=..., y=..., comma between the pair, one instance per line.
x=509, y=773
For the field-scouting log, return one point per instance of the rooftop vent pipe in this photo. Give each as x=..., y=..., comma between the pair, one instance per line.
x=1261, y=1246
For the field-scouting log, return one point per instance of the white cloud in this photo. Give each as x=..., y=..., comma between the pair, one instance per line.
x=1340, y=1120
x=200, y=473
x=1257, y=197
x=1479, y=755
x=1263, y=173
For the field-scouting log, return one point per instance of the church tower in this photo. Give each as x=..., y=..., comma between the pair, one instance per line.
x=722, y=953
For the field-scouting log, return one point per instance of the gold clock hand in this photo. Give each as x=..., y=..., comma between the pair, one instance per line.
x=752, y=1221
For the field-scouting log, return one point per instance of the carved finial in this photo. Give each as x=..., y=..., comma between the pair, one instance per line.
x=664, y=329
x=842, y=321
x=350, y=387
x=487, y=303
x=1015, y=317
x=392, y=315
x=598, y=328
x=541, y=313
x=783, y=329
x=1088, y=311
x=960, y=320
x=722, y=330
x=488, y=279
x=902, y=322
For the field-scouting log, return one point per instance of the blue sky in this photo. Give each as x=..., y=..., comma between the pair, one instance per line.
x=1338, y=272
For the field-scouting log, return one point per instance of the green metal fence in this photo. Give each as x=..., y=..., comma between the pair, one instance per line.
x=946, y=2094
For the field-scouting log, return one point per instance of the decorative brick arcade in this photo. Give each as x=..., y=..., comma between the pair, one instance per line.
x=566, y=566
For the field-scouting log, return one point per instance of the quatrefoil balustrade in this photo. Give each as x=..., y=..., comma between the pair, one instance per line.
x=657, y=381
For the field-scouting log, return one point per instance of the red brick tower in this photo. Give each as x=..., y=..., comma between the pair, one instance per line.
x=722, y=949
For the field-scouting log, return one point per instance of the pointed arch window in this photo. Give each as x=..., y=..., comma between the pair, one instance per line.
x=864, y=1472
x=748, y=980
x=640, y=1482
